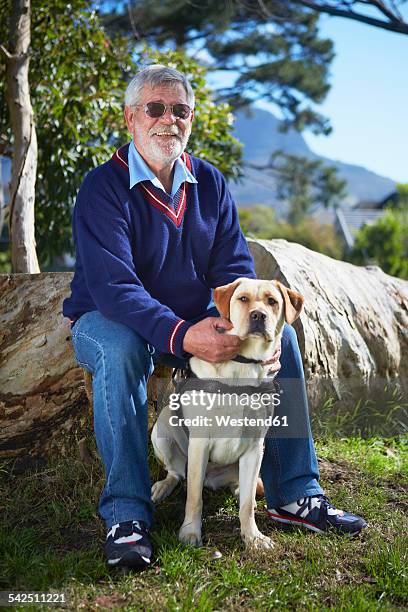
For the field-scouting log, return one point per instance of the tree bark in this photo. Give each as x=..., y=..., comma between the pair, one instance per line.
x=44, y=395
x=24, y=166
x=42, y=392
x=353, y=332
x=354, y=328
x=2, y=199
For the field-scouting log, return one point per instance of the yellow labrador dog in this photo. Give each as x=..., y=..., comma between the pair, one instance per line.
x=257, y=309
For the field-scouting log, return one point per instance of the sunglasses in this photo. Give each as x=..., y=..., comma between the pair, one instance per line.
x=157, y=109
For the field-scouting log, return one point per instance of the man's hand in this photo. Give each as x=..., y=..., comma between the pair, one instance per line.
x=273, y=365
x=205, y=342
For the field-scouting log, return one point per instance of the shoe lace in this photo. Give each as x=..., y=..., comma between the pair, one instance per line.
x=307, y=502
x=128, y=527
x=139, y=526
x=326, y=502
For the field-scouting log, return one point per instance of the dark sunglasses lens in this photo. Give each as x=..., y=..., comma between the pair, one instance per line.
x=155, y=109
x=181, y=110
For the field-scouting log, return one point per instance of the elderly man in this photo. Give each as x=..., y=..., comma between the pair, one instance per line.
x=155, y=230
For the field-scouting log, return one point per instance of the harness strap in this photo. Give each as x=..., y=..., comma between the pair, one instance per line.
x=242, y=359
x=191, y=382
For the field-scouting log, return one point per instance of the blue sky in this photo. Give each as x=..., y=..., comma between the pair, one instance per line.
x=368, y=101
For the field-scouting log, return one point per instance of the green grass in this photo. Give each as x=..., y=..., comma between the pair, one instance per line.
x=52, y=538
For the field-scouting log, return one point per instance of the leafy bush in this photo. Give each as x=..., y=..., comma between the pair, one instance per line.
x=77, y=79
x=260, y=222
x=384, y=243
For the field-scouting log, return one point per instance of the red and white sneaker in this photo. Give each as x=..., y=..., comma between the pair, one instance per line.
x=317, y=514
x=128, y=545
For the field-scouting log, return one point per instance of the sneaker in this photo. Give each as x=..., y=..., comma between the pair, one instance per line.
x=128, y=545
x=317, y=514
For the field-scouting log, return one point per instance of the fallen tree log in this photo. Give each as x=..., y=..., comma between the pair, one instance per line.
x=353, y=333
x=44, y=395
x=355, y=326
x=42, y=392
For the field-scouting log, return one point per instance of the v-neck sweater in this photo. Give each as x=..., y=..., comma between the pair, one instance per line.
x=141, y=263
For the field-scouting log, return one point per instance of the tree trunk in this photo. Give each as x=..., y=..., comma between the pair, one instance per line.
x=353, y=333
x=24, y=167
x=354, y=328
x=44, y=395
x=2, y=198
x=42, y=392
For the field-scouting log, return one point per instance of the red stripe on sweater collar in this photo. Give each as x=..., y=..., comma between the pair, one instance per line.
x=121, y=156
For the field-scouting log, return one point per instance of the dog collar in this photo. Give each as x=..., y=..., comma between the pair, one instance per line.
x=242, y=359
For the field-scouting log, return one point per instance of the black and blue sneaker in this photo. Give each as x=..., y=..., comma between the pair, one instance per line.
x=128, y=545
x=317, y=514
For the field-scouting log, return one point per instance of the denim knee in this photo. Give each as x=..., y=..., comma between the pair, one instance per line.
x=289, y=336
x=99, y=341
x=291, y=359
x=130, y=352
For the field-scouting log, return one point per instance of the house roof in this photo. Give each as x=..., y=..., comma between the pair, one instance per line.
x=348, y=222
x=364, y=205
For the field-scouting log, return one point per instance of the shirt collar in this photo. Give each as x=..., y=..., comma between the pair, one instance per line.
x=139, y=171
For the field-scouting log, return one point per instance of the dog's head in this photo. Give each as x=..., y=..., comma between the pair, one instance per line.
x=258, y=307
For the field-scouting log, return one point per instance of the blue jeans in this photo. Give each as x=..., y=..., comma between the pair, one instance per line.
x=121, y=362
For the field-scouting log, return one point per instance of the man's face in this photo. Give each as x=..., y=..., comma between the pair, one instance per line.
x=161, y=140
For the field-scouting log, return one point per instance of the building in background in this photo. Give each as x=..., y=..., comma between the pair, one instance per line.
x=349, y=220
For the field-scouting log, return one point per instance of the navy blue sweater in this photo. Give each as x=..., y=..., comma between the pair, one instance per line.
x=140, y=263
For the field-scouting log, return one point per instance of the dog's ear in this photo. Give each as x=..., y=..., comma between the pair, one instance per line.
x=293, y=302
x=222, y=297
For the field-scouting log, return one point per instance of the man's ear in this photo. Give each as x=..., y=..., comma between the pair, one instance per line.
x=293, y=302
x=129, y=114
x=222, y=297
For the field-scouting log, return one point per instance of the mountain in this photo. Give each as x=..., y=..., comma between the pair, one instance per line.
x=258, y=130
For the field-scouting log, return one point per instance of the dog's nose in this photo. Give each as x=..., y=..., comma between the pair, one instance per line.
x=257, y=315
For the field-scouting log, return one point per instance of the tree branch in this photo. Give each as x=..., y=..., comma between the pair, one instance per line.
x=7, y=53
x=395, y=23
x=383, y=8
x=132, y=21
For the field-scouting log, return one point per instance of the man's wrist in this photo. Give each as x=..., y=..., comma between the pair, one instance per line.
x=177, y=339
x=186, y=341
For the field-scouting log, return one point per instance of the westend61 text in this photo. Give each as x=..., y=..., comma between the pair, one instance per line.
x=228, y=421
x=209, y=400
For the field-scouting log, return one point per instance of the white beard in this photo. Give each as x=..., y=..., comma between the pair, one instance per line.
x=169, y=149
x=168, y=153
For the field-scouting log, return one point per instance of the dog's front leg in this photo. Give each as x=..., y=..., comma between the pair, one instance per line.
x=249, y=465
x=190, y=531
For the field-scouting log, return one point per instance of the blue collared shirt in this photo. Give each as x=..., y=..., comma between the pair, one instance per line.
x=140, y=171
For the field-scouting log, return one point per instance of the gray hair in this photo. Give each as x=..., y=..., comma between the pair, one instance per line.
x=154, y=76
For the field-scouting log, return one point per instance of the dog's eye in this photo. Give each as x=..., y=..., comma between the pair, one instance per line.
x=243, y=298
x=271, y=301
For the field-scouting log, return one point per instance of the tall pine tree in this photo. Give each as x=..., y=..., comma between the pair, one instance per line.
x=273, y=48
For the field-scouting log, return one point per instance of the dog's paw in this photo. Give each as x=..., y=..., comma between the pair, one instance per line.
x=163, y=488
x=187, y=535
x=258, y=541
